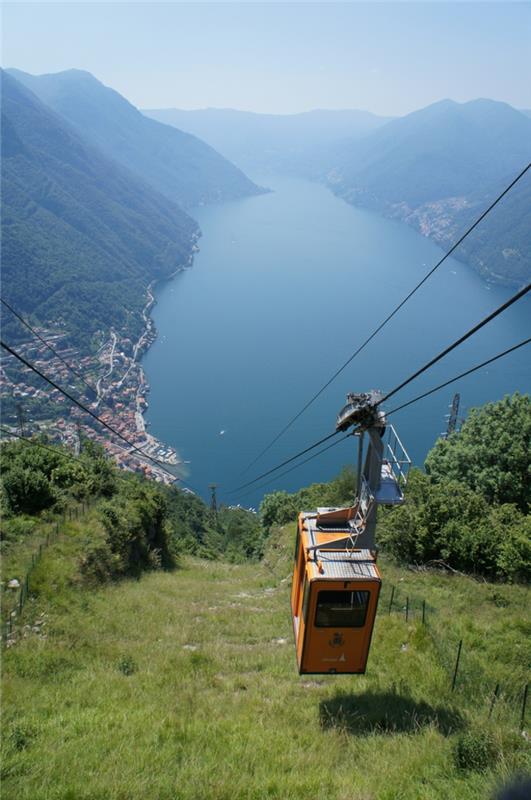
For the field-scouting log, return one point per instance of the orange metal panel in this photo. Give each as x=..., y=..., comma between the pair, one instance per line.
x=338, y=649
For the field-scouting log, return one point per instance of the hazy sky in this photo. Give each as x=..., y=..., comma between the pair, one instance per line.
x=390, y=58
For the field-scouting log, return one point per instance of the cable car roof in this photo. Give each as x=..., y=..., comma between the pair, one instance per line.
x=340, y=562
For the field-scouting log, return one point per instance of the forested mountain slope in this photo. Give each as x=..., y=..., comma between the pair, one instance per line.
x=82, y=237
x=179, y=165
x=438, y=168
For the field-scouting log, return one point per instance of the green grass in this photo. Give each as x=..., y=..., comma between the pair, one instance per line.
x=183, y=686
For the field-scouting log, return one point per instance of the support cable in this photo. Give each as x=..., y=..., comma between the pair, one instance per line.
x=458, y=377
x=33, y=443
x=50, y=347
x=58, y=452
x=404, y=405
x=80, y=405
x=296, y=466
x=387, y=319
x=441, y=355
x=283, y=464
x=460, y=341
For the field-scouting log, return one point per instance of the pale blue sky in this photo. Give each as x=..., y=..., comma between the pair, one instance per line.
x=390, y=58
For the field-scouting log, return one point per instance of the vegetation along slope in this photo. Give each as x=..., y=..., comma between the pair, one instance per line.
x=178, y=165
x=153, y=655
x=82, y=237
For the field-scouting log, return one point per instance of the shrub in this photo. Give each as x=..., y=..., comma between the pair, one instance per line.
x=279, y=508
x=127, y=665
x=136, y=535
x=490, y=454
x=476, y=750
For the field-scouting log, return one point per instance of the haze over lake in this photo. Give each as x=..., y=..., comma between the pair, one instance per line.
x=285, y=287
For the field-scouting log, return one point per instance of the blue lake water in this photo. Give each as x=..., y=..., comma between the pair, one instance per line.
x=285, y=286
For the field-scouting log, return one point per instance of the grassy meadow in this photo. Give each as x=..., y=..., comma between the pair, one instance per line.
x=183, y=686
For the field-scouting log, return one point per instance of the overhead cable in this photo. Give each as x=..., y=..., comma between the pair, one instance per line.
x=388, y=318
x=458, y=377
x=283, y=463
x=399, y=408
x=85, y=409
x=32, y=442
x=296, y=466
x=459, y=341
x=433, y=361
x=45, y=342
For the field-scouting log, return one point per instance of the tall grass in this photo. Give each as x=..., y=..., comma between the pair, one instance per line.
x=183, y=686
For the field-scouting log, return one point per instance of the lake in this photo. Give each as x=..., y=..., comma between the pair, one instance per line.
x=285, y=287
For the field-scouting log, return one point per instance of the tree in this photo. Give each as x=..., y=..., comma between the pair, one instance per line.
x=491, y=453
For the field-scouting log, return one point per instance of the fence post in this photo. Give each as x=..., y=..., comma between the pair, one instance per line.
x=524, y=703
x=494, y=698
x=392, y=597
x=407, y=608
x=457, y=664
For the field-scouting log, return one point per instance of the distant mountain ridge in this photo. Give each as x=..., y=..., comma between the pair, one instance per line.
x=438, y=168
x=181, y=166
x=272, y=142
x=82, y=236
x=445, y=150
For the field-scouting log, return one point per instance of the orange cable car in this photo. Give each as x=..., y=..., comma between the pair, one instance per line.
x=336, y=581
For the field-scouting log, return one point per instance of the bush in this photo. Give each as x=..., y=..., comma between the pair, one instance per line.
x=476, y=750
x=279, y=508
x=490, y=454
x=127, y=665
x=136, y=535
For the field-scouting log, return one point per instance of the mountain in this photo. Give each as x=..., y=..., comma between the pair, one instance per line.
x=82, y=236
x=278, y=142
x=438, y=168
x=177, y=164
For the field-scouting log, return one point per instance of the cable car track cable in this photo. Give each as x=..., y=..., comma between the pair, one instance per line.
x=433, y=361
x=31, y=442
x=404, y=405
x=458, y=377
x=87, y=410
x=283, y=464
x=388, y=318
x=296, y=466
x=57, y=451
x=50, y=347
x=459, y=341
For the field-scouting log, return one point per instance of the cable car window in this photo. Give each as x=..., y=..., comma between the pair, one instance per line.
x=341, y=609
x=306, y=599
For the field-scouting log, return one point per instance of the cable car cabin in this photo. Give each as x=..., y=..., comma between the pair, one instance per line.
x=336, y=583
x=334, y=598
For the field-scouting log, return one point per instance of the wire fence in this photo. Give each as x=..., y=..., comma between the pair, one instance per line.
x=70, y=513
x=466, y=674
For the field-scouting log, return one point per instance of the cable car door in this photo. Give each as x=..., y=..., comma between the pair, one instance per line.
x=339, y=625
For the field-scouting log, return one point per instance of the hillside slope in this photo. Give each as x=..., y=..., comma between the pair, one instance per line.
x=184, y=685
x=178, y=165
x=438, y=168
x=82, y=236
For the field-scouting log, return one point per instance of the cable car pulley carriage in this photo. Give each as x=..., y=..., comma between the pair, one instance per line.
x=336, y=581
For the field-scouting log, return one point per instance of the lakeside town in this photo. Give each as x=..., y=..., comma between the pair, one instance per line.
x=110, y=383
